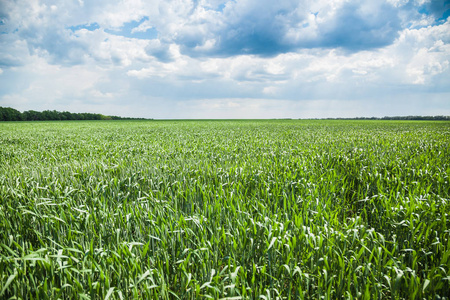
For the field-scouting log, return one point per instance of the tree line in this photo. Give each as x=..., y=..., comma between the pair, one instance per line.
x=11, y=114
x=400, y=118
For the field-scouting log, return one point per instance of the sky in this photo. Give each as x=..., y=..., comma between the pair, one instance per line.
x=172, y=59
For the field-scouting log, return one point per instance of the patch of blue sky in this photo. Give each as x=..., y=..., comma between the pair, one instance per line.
x=444, y=17
x=423, y=10
x=6, y=28
x=2, y=27
x=221, y=7
x=440, y=9
x=90, y=27
x=127, y=30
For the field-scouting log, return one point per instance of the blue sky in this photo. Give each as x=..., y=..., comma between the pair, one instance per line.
x=227, y=59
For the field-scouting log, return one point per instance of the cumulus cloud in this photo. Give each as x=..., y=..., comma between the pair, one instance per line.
x=164, y=55
x=209, y=28
x=268, y=28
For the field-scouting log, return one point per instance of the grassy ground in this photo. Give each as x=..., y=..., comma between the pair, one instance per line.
x=268, y=209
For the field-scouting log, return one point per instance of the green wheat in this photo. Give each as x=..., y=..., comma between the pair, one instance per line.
x=268, y=209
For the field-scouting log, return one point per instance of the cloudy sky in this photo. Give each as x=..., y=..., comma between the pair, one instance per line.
x=227, y=59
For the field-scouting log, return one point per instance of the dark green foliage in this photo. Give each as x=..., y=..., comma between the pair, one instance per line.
x=10, y=114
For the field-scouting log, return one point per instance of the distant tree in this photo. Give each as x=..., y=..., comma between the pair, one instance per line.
x=67, y=115
x=10, y=114
x=51, y=115
x=32, y=115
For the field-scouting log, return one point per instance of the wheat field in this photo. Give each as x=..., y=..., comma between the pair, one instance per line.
x=229, y=209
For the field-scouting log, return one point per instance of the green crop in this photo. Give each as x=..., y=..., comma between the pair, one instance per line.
x=264, y=209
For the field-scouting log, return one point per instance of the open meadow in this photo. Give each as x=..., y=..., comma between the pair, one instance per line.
x=251, y=209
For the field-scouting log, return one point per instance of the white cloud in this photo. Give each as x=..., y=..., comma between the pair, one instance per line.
x=423, y=53
x=61, y=55
x=270, y=90
x=115, y=13
x=279, y=108
x=143, y=27
x=53, y=86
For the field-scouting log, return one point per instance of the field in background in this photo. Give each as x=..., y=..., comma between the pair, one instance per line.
x=225, y=209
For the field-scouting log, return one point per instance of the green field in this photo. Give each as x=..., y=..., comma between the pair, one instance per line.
x=268, y=209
